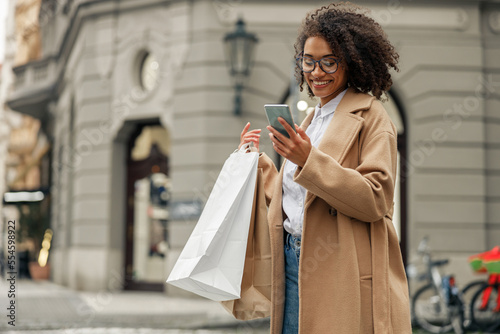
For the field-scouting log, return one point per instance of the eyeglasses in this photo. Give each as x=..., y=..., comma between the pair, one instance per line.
x=327, y=65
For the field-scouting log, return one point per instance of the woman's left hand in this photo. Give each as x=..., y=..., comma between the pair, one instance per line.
x=296, y=148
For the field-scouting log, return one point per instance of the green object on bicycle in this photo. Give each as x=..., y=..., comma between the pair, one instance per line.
x=476, y=264
x=487, y=261
x=493, y=267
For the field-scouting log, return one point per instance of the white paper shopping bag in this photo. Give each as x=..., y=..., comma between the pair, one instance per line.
x=211, y=263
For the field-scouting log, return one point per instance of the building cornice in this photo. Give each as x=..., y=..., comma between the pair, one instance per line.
x=39, y=82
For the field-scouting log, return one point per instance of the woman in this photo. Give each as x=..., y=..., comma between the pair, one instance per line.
x=337, y=265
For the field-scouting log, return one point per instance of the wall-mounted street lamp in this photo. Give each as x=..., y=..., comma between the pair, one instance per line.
x=240, y=46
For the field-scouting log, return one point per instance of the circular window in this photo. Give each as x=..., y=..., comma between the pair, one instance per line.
x=149, y=72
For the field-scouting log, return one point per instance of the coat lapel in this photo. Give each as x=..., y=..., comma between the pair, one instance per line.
x=345, y=125
x=340, y=135
x=344, y=128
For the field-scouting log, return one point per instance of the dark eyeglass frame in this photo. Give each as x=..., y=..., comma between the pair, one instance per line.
x=301, y=56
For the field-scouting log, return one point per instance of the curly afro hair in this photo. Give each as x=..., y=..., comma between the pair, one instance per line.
x=355, y=38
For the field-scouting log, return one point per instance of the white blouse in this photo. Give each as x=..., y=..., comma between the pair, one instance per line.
x=294, y=194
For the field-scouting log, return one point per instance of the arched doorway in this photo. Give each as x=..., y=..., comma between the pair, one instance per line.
x=148, y=183
x=393, y=107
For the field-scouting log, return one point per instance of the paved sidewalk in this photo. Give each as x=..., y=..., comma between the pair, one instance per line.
x=42, y=305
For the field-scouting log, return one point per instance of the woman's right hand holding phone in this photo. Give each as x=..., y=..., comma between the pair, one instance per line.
x=252, y=136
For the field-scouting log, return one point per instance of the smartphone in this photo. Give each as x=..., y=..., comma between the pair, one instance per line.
x=273, y=111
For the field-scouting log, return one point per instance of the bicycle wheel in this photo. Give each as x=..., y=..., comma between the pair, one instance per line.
x=485, y=308
x=429, y=311
x=467, y=294
x=457, y=317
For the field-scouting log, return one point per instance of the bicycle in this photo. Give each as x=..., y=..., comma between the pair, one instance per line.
x=437, y=306
x=469, y=291
x=484, y=308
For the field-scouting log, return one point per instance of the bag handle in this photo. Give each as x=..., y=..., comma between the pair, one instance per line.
x=247, y=148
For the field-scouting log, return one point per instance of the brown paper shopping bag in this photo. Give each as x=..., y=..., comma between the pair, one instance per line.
x=255, y=300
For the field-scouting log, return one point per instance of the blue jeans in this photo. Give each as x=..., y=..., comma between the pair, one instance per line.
x=292, y=255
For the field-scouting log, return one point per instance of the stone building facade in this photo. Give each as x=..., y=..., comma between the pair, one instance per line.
x=137, y=101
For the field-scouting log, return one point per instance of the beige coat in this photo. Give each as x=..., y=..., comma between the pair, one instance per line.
x=351, y=274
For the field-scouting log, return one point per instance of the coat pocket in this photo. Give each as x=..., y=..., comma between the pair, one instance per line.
x=366, y=321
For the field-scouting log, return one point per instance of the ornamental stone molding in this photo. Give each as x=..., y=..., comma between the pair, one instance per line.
x=494, y=21
x=393, y=15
